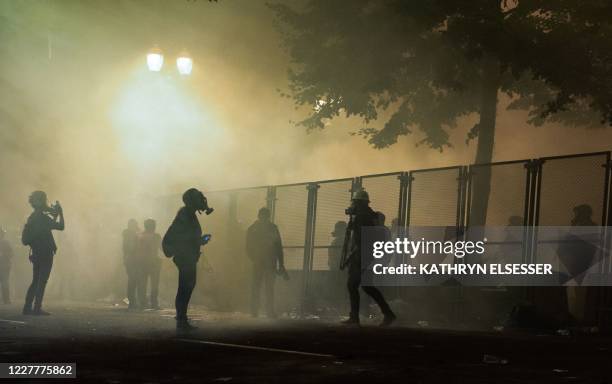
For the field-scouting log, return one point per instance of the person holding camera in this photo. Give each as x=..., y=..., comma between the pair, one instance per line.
x=265, y=249
x=182, y=242
x=37, y=235
x=361, y=216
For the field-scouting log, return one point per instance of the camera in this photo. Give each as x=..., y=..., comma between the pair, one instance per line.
x=54, y=209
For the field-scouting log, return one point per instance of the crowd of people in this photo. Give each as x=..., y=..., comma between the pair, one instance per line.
x=144, y=250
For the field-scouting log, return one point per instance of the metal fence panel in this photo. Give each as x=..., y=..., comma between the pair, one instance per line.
x=384, y=191
x=290, y=217
x=332, y=199
x=434, y=197
x=507, y=196
x=564, y=184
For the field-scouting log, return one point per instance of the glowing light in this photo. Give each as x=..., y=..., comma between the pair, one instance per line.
x=184, y=65
x=155, y=60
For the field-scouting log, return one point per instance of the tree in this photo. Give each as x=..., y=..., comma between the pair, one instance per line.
x=431, y=62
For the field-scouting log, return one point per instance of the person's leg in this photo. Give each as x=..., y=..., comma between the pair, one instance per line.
x=29, y=299
x=187, y=281
x=354, y=279
x=46, y=263
x=268, y=278
x=154, y=281
x=141, y=285
x=255, y=289
x=378, y=297
x=131, y=285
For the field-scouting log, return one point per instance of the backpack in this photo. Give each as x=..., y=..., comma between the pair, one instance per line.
x=169, y=241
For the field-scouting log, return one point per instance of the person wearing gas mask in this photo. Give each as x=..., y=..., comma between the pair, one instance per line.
x=37, y=235
x=361, y=216
x=182, y=242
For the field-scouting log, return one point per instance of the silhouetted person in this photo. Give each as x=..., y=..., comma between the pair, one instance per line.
x=133, y=266
x=265, y=250
x=37, y=235
x=334, y=253
x=577, y=250
x=182, y=241
x=149, y=245
x=364, y=216
x=6, y=254
x=335, y=283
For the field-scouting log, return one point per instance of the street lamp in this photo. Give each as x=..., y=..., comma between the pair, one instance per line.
x=155, y=59
x=184, y=64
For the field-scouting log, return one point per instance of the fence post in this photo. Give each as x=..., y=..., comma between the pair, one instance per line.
x=271, y=200
x=311, y=209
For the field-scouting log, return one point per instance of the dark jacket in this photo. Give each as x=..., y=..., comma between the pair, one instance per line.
x=365, y=217
x=263, y=244
x=37, y=233
x=184, y=237
x=130, y=244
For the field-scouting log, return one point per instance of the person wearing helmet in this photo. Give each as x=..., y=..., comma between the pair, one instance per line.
x=265, y=250
x=133, y=266
x=149, y=244
x=37, y=235
x=182, y=242
x=6, y=254
x=364, y=216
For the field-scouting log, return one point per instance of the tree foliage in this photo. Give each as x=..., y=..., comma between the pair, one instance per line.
x=426, y=62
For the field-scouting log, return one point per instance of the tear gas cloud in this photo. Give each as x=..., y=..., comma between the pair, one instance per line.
x=83, y=119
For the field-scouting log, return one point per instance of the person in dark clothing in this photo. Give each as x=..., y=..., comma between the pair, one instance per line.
x=182, y=242
x=364, y=216
x=133, y=266
x=6, y=254
x=149, y=244
x=37, y=235
x=334, y=253
x=335, y=284
x=265, y=249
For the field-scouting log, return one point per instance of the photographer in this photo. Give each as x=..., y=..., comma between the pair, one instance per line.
x=361, y=216
x=182, y=242
x=37, y=235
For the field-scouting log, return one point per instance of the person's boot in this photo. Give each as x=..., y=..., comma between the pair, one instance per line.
x=27, y=310
x=352, y=320
x=388, y=319
x=183, y=325
x=39, y=312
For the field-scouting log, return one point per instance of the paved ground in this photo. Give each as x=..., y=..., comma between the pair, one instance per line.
x=111, y=345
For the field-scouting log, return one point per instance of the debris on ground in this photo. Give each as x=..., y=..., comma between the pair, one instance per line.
x=492, y=359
